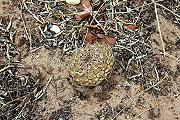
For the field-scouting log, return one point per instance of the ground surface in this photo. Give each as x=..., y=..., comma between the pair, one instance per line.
x=34, y=78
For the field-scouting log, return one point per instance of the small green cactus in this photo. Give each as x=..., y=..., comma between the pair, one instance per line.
x=91, y=64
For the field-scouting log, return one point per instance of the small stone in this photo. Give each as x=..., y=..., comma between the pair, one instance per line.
x=126, y=84
x=61, y=119
x=73, y=2
x=55, y=28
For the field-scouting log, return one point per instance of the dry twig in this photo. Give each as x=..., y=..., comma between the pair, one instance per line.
x=159, y=28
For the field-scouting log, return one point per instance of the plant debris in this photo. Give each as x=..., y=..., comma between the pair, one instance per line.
x=86, y=6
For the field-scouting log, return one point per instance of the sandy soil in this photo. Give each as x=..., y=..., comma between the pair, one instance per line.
x=59, y=93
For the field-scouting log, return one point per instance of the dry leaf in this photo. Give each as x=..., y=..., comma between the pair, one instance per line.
x=82, y=15
x=90, y=38
x=108, y=39
x=132, y=27
x=95, y=27
x=86, y=6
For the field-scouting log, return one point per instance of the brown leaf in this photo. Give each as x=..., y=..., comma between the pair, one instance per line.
x=82, y=15
x=95, y=27
x=86, y=6
x=132, y=27
x=106, y=38
x=90, y=38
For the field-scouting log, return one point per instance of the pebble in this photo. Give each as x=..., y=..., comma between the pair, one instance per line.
x=126, y=84
x=55, y=28
x=73, y=2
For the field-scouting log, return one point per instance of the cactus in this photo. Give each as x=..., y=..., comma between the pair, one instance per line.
x=91, y=65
